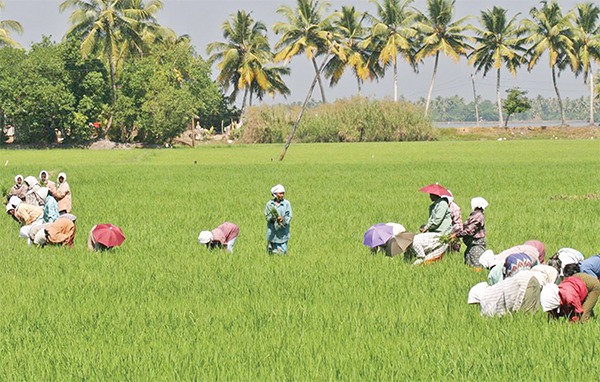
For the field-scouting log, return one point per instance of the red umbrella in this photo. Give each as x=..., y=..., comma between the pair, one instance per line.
x=435, y=189
x=108, y=235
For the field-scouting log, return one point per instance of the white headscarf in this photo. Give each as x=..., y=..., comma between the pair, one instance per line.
x=398, y=228
x=487, y=259
x=549, y=298
x=63, y=175
x=449, y=198
x=43, y=192
x=44, y=172
x=569, y=256
x=17, y=178
x=277, y=189
x=476, y=293
x=205, y=237
x=31, y=181
x=545, y=274
x=13, y=203
x=479, y=202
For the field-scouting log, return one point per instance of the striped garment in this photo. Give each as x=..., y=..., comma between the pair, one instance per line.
x=506, y=296
x=428, y=248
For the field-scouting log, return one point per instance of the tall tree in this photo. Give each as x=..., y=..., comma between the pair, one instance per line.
x=6, y=27
x=105, y=25
x=550, y=30
x=304, y=33
x=275, y=83
x=587, y=45
x=243, y=56
x=499, y=43
x=440, y=34
x=392, y=34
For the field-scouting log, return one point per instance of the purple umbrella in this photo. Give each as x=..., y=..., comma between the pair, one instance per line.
x=378, y=234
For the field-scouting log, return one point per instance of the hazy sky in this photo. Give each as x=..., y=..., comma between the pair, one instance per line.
x=201, y=19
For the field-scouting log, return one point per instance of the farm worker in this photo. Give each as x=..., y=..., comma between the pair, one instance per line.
x=61, y=232
x=574, y=298
x=427, y=245
x=440, y=220
x=12, y=205
x=591, y=266
x=31, y=196
x=568, y=256
x=50, y=206
x=473, y=233
x=63, y=194
x=427, y=248
x=456, y=215
x=541, y=248
x=19, y=189
x=224, y=235
x=278, y=213
x=521, y=292
x=25, y=214
x=46, y=182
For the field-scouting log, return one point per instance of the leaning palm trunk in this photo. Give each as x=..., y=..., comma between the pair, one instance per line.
x=310, y=91
x=591, y=80
x=395, y=80
x=437, y=57
x=318, y=72
x=243, y=104
x=499, y=97
x=560, y=104
x=358, y=82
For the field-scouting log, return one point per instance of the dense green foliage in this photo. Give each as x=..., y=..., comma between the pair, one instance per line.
x=516, y=102
x=353, y=120
x=51, y=88
x=164, y=308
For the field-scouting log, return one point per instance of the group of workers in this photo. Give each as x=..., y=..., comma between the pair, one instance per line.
x=278, y=214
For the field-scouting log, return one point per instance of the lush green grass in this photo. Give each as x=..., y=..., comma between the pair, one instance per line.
x=164, y=308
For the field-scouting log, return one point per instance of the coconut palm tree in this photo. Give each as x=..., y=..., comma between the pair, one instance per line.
x=275, y=83
x=439, y=34
x=244, y=55
x=499, y=43
x=587, y=44
x=550, y=30
x=304, y=33
x=105, y=25
x=392, y=34
x=7, y=26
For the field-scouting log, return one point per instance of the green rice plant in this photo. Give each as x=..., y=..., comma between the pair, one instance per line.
x=163, y=307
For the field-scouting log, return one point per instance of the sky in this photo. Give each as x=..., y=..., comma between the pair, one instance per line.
x=202, y=19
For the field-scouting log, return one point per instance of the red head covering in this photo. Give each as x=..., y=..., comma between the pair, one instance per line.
x=541, y=247
x=572, y=292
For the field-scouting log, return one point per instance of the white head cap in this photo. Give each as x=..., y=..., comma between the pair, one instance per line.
x=569, y=256
x=43, y=192
x=398, y=228
x=31, y=181
x=18, y=177
x=479, y=202
x=487, y=259
x=545, y=274
x=13, y=203
x=277, y=189
x=549, y=298
x=205, y=237
x=476, y=293
x=62, y=175
x=450, y=198
x=42, y=173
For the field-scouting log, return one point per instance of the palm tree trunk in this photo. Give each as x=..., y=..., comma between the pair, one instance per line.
x=308, y=96
x=111, y=64
x=243, y=104
x=250, y=102
x=475, y=100
x=437, y=58
x=318, y=72
x=359, y=86
x=591, y=80
x=560, y=104
x=395, y=79
x=499, y=98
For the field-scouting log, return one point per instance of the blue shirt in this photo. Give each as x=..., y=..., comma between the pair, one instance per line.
x=278, y=233
x=591, y=266
x=50, y=210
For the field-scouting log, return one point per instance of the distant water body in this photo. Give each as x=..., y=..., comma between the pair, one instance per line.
x=510, y=124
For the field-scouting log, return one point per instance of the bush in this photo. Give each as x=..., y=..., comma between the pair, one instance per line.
x=348, y=120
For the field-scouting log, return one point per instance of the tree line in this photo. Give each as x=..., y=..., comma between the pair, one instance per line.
x=369, y=43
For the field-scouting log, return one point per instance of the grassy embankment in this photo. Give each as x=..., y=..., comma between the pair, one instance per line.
x=164, y=308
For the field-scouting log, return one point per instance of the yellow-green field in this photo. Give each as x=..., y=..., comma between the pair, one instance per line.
x=164, y=308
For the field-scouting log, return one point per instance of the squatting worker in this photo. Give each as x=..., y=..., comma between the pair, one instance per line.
x=46, y=182
x=31, y=196
x=278, y=213
x=19, y=189
x=426, y=245
x=473, y=232
x=50, y=206
x=63, y=194
x=61, y=232
x=224, y=235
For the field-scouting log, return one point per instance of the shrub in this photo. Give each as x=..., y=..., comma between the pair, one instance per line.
x=349, y=120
